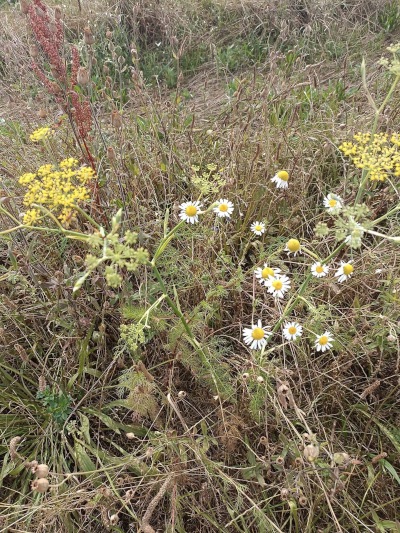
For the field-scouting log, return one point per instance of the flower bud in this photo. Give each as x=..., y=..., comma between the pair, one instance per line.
x=41, y=471
x=40, y=485
x=82, y=77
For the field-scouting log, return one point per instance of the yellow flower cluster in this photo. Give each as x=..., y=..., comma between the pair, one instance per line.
x=41, y=133
x=379, y=156
x=56, y=189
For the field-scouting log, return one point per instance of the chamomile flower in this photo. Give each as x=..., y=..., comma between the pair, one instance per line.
x=357, y=233
x=324, y=342
x=333, y=203
x=189, y=212
x=262, y=274
x=344, y=272
x=256, y=336
x=292, y=330
x=319, y=270
x=224, y=208
x=281, y=179
x=278, y=285
x=292, y=247
x=258, y=228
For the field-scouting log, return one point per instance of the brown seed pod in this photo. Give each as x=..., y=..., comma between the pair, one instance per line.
x=111, y=153
x=42, y=113
x=40, y=485
x=33, y=50
x=106, y=70
x=280, y=461
x=303, y=501
x=24, y=7
x=88, y=37
x=181, y=394
x=311, y=452
x=116, y=119
x=246, y=376
x=57, y=12
x=130, y=436
x=82, y=77
x=52, y=28
x=285, y=493
x=41, y=471
x=114, y=519
x=260, y=379
x=109, y=34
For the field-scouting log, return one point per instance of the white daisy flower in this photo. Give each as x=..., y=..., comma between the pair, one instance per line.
x=292, y=246
x=224, y=208
x=324, y=342
x=319, y=270
x=262, y=274
x=256, y=336
x=333, y=203
x=278, y=285
x=189, y=211
x=281, y=179
x=344, y=272
x=292, y=330
x=258, y=228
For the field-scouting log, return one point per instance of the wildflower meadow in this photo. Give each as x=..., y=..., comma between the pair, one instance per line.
x=200, y=314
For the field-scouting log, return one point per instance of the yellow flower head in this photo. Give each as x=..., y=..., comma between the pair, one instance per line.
x=58, y=189
x=41, y=133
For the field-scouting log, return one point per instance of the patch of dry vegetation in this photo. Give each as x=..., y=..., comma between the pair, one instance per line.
x=123, y=365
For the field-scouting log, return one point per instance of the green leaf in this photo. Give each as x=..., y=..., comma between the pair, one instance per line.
x=85, y=463
x=85, y=424
x=390, y=468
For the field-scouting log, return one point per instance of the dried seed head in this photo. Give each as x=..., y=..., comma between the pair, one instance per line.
x=39, y=12
x=41, y=471
x=391, y=338
x=24, y=7
x=111, y=153
x=298, y=461
x=13, y=448
x=181, y=394
x=129, y=494
x=303, y=501
x=88, y=37
x=22, y=353
x=40, y=485
x=34, y=51
x=106, y=70
x=121, y=60
x=82, y=77
x=246, y=376
x=57, y=12
x=260, y=379
x=106, y=492
x=114, y=519
x=56, y=88
x=116, y=119
x=42, y=383
x=285, y=493
x=311, y=452
x=42, y=113
x=264, y=441
x=94, y=61
x=280, y=461
x=32, y=465
x=130, y=436
x=52, y=28
x=149, y=451
x=109, y=34
x=306, y=436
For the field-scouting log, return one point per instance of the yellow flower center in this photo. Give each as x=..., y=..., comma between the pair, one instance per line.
x=191, y=211
x=292, y=330
x=258, y=228
x=267, y=272
x=348, y=269
x=323, y=340
x=319, y=269
x=332, y=203
x=258, y=334
x=277, y=285
x=283, y=175
x=293, y=245
x=223, y=208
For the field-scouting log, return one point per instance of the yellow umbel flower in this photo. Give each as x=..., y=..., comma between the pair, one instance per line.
x=58, y=189
x=41, y=133
x=380, y=157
